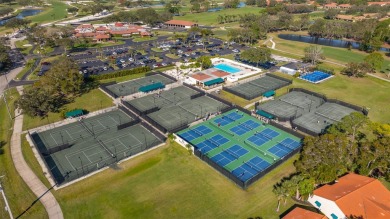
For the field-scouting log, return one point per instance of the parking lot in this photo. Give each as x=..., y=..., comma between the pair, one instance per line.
x=151, y=53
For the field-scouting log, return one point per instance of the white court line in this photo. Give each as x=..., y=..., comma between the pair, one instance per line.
x=53, y=138
x=116, y=122
x=70, y=162
x=87, y=157
x=69, y=134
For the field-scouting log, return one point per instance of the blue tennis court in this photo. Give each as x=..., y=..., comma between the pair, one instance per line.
x=251, y=124
x=206, y=146
x=280, y=150
x=258, y=139
x=203, y=130
x=192, y=134
x=189, y=135
x=269, y=133
x=223, y=121
x=290, y=143
x=237, y=151
x=223, y=158
x=239, y=129
x=259, y=163
x=219, y=139
x=244, y=172
x=233, y=116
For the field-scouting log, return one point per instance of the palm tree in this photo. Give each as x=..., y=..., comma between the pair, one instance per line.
x=278, y=191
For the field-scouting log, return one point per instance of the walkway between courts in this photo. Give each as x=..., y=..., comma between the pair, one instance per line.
x=50, y=203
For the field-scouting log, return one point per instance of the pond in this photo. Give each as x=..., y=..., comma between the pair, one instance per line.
x=22, y=14
x=325, y=41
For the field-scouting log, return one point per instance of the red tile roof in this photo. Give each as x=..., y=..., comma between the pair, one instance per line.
x=200, y=76
x=220, y=74
x=378, y=3
x=129, y=31
x=101, y=28
x=103, y=36
x=87, y=34
x=300, y=213
x=180, y=22
x=118, y=24
x=358, y=195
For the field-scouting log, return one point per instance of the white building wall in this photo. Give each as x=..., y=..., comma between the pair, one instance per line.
x=288, y=71
x=183, y=143
x=327, y=207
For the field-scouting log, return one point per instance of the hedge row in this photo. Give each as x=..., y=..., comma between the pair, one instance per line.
x=121, y=73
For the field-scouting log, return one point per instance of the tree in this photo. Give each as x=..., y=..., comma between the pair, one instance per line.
x=205, y=62
x=148, y=15
x=38, y=101
x=313, y=54
x=374, y=60
x=352, y=126
x=331, y=13
x=354, y=69
x=64, y=78
x=66, y=43
x=5, y=59
x=17, y=23
x=257, y=55
x=326, y=157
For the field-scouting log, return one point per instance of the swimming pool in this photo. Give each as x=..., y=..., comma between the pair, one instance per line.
x=227, y=68
x=316, y=77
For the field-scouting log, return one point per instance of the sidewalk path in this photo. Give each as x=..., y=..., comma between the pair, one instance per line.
x=51, y=205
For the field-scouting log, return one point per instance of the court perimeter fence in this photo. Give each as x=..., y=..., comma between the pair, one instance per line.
x=60, y=178
x=105, y=89
x=250, y=97
x=236, y=180
x=160, y=73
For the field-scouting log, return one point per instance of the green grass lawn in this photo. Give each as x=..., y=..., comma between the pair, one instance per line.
x=23, y=49
x=56, y=11
x=26, y=68
x=172, y=56
x=169, y=183
x=143, y=39
x=369, y=92
x=91, y=101
x=210, y=18
x=18, y=194
x=97, y=45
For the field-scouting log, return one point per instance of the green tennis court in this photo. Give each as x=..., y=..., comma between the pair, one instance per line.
x=241, y=144
x=133, y=86
x=77, y=149
x=257, y=87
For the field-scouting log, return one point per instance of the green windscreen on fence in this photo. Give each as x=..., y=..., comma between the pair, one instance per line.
x=74, y=113
x=269, y=93
x=214, y=81
x=264, y=114
x=151, y=87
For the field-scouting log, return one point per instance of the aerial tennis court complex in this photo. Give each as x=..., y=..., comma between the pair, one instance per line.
x=74, y=150
x=255, y=88
x=307, y=111
x=174, y=109
x=240, y=146
x=126, y=88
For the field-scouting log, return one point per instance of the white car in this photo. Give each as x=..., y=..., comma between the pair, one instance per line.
x=199, y=44
x=164, y=64
x=131, y=59
x=124, y=65
x=105, y=68
x=179, y=51
x=123, y=61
